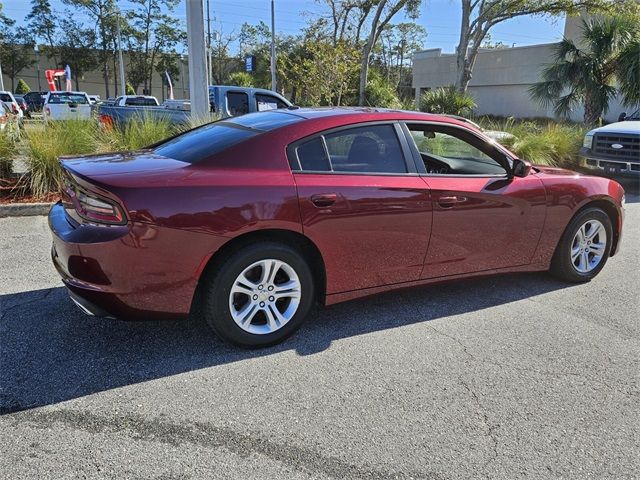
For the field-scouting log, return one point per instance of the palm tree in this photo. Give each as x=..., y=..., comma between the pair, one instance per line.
x=605, y=63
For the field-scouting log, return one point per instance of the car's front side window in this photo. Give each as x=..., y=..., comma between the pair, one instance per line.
x=450, y=151
x=364, y=149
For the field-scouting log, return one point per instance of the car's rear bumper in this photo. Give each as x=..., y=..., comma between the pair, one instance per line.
x=131, y=271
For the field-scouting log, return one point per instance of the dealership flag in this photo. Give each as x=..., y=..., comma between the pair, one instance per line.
x=67, y=74
x=170, y=85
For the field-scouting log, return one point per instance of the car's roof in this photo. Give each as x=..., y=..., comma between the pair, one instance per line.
x=368, y=114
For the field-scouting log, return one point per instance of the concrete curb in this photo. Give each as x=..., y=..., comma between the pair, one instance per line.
x=24, y=209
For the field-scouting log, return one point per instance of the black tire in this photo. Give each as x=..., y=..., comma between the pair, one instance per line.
x=216, y=289
x=561, y=264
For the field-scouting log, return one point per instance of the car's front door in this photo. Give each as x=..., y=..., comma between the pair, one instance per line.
x=363, y=204
x=483, y=219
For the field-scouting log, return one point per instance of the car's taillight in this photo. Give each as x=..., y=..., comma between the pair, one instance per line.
x=92, y=206
x=47, y=110
x=15, y=107
x=98, y=209
x=106, y=121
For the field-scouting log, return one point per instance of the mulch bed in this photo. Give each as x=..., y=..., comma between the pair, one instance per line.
x=14, y=190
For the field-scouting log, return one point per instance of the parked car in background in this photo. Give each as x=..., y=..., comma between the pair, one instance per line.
x=23, y=105
x=94, y=99
x=8, y=120
x=10, y=101
x=136, y=100
x=67, y=106
x=251, y=220
x=35, y=100
x=230, y=101
x=224, y=101
x=614, y=148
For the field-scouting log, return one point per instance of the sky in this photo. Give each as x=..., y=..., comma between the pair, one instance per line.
x=440, y=17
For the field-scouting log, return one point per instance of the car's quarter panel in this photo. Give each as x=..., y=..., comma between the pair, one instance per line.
x=567, y=193
x=493, y=223
x=132, y=271
x=375, y=233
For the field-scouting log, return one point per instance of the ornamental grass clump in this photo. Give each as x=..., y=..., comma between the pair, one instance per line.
x=47, y=144
x=139, y=132
x=7, y=152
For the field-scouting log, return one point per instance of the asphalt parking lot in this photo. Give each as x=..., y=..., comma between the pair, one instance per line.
x=519, y=376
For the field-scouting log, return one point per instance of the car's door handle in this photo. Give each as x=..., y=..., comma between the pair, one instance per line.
x=323, y=200
x=450, y=201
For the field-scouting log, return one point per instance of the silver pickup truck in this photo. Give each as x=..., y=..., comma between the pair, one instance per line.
x=224, y=101
x=614, y=148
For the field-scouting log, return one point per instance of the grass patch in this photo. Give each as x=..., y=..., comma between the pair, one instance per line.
x=137, y=133
x=541, y=141
x=7, y=152
x=55, y=139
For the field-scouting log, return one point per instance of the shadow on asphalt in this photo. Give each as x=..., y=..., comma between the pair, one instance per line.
x=51, y=352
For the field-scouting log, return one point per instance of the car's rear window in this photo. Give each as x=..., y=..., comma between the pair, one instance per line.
x=148, y=102
x=5, y=97
x=202, y=142
x=197, y=144
x=67, y=98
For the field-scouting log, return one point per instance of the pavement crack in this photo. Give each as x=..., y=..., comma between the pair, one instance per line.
x=491, y=429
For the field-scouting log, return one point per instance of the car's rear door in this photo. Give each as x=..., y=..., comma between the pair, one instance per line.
x=363, y=204
x=483, y=219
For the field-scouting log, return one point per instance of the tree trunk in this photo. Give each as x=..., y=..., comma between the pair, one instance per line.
x=463, y=73
x=366, y=54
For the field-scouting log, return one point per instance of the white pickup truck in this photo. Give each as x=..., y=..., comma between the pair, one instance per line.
x=66, y=106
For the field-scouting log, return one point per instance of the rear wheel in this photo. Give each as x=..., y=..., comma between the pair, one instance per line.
x=259, y=296
x=584, y=247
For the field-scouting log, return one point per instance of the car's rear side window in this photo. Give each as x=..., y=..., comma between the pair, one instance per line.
x=313, y=156
x=363, y=149
x=200, y=143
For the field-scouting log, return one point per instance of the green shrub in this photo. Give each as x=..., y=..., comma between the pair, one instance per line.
x=543, y=141
x=22, y=87
x=7, y=152
x=47, y=144
x=241, y=79
x=379, y=93
x=447, y=100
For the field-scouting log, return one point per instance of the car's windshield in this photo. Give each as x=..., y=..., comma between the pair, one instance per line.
x=634, y=116
x=68, y=98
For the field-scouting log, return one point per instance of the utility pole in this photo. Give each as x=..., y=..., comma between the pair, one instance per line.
x=123, y=90
x=209, y=64
x=1, y=79
x=198, y=89
x=273, y=46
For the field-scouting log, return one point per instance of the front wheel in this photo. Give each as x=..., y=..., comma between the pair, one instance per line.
x=584, y=247
x=259, y=296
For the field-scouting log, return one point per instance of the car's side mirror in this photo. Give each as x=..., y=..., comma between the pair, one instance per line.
x=521, y=168
x=622, y=117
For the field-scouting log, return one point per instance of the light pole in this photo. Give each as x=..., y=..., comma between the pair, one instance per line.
x=37, y=50
x=273, y=46
x=1, y=78
x=122, y=82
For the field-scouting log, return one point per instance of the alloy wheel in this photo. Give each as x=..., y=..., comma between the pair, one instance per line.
x=265, y=296
x=588, y=246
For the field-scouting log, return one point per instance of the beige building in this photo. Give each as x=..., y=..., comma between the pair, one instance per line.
x=501, y=77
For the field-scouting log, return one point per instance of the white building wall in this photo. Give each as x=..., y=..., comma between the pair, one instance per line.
x=501, y=78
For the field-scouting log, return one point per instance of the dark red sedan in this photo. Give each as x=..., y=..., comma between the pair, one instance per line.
x=252, y=220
